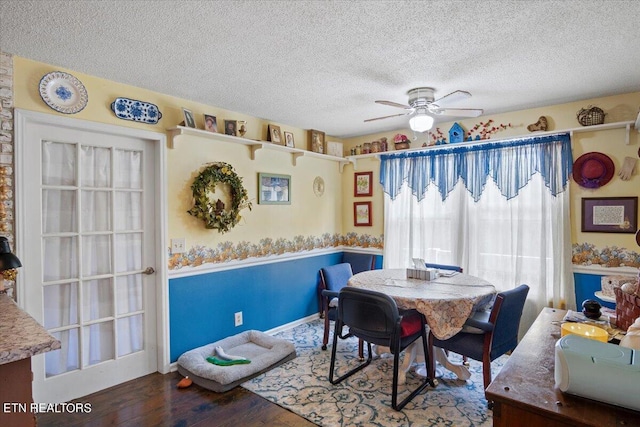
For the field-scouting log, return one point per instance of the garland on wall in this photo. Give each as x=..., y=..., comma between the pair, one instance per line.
x=212, y=213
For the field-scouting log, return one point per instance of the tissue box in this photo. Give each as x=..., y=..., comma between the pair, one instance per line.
x=422, y=274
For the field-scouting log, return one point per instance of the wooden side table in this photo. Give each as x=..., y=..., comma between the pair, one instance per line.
x=524, y=392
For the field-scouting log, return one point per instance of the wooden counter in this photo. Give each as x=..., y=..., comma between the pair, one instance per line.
x=20, y=338
x=524, y=392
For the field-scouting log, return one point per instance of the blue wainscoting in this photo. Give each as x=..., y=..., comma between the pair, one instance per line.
x=202, y=307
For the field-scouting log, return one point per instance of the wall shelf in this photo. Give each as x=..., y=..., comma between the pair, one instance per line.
x=253, y=145
x=617, y=125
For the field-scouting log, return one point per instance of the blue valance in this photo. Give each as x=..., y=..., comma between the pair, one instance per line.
x=510, y=163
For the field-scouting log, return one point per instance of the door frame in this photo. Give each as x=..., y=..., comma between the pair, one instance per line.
x=24, y=118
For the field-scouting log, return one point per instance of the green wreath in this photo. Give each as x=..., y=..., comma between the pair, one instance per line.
x=213, y=213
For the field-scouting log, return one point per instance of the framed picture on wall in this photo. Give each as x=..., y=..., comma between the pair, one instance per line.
x=210, y=123
x=274, y=189
x=316, y=141
x=288, y=140
x=231, y=127
x=189, y=121
x=610, y=214
x=361, y=213
x=362, y=184
x=274, y=134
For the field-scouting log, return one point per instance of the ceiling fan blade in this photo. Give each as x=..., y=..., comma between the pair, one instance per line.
x=386, y=117
x=394, y=104
x=457, y=112
x=458, y=95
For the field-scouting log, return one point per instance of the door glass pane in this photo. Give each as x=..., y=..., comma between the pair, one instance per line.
x=96, y=255
x=129, y=291
x=96, y=212
x=128, y=169
x=128, y=207
x=59, y=211
x=98, y=343
x=96, y=167
x=58, y=163
x=130, y=335
x=128, y=252
x=60, y=305
x=60, y=258
x=97, y=298
x=66, y=358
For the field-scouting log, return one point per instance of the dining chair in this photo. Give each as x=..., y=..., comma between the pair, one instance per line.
x=444, y=267
x=359, y=261
x=332, y=279
x=499, y=332
x=374, y=317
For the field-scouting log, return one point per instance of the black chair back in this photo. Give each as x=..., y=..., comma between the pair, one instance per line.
x=371, y=316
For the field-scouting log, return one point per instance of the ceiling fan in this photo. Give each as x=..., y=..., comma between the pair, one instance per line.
x=423, y=107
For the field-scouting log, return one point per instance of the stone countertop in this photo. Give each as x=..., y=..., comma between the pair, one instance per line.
x=20, y=335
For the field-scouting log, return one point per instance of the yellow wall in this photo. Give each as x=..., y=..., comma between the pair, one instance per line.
x=562, y=116
x=308, y=214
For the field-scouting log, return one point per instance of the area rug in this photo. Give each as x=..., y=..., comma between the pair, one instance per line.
x=302, y=386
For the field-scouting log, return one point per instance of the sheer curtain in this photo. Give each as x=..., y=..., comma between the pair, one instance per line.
x=88, y=306
x=509, y=230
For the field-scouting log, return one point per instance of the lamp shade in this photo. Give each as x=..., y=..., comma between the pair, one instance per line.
x=421, y=121
x=7, y=259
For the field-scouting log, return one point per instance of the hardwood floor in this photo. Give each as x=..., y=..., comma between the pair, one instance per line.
x=154, y=400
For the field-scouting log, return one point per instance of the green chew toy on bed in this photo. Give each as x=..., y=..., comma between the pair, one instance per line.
x=225, y=359
x=221, y=362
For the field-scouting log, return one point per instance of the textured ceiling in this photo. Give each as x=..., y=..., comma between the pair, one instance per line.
x=322, y=64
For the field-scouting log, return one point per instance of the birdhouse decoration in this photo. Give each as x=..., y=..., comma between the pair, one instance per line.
x=456, y=133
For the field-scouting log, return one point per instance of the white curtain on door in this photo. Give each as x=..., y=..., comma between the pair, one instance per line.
x=82, y=296
x=521, y=237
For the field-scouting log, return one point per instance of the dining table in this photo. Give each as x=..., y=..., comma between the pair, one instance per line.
x=446, y=301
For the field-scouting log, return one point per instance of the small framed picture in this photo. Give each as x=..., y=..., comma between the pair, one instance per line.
x=210, y=123
x=610, y=214
x=231, y=127
x=316, y=139
x=361, y=213
x=274, y=134
x=335, y=149
x=189, y=121
x=288, y=140
x=274, y=189
x=362, y=184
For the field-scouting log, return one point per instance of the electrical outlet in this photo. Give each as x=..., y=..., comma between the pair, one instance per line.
x=178, y=246
x=238, y=319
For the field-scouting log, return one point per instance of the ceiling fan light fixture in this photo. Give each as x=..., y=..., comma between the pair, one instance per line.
x=421, y=121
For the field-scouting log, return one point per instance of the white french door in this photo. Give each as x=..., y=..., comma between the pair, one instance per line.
x=88, y=239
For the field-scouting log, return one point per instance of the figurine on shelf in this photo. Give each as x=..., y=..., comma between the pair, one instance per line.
x=383, y=144
x=401, y=141
x=242, y=127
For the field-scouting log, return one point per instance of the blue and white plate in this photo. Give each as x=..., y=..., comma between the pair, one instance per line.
x=138, y=111
x=63, y=92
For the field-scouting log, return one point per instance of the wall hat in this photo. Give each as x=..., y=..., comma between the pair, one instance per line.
x=593, y=170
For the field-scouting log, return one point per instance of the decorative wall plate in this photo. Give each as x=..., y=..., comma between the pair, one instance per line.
x=138, y=111
x=318, y=186
x=63, y=92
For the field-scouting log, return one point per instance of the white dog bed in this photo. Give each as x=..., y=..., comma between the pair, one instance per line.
x=264, y=351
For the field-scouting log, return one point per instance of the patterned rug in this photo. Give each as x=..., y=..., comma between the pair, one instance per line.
x=364, y=399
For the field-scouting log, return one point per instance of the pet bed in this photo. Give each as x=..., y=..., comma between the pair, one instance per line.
x=264, y=351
